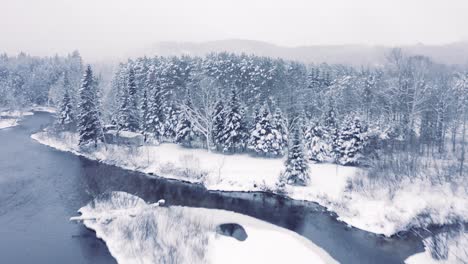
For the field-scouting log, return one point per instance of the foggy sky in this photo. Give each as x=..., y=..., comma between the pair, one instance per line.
x=102, y=28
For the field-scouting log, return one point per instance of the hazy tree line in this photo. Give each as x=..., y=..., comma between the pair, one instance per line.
x=243, y=103
x=234, y=102
x=26, y=80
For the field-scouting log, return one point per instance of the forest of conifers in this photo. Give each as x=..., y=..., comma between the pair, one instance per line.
x=245, y=103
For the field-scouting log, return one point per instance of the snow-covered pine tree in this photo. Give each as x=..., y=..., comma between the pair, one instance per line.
x=156, y=105
x=297, y=169
x=262, y=137
x=330, y=132
x=133, y=120
x=89, y=125
x=115, y=96
x=234, y=133
x=144, y=114
x=279, y=131
x=317, y=147
x=218, y=124
x=184, y=130
x=351, y=141
x=66, y=118
x=171, y=118
x=128, y=112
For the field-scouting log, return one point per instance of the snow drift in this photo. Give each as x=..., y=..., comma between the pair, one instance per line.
x=137, y=232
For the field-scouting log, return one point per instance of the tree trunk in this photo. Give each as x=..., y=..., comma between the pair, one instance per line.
x=462, y=158
x=454, y=138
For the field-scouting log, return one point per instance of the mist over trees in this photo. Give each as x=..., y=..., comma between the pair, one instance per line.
x=245, y=103
x=27, y=80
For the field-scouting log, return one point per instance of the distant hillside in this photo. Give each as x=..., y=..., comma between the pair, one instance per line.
x=456, y=53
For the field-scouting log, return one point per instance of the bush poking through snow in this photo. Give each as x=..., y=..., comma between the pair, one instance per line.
x=449, y=247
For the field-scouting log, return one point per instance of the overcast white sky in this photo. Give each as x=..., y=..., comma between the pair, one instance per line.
x=109, y=27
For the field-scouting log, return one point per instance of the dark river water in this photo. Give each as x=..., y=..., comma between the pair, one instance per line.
x=41, y=188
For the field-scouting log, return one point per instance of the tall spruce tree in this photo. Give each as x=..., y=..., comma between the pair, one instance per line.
x=89, y=125
x=66, y=118
x=317, y=146
x=156, y=106
x=234, y=134
x=171, y=118
x=184, y=130
x=144, y=114
x=280, y=131
x=297, y=169
x=262, y=137
x=351, y=141
x=128, y=111
x=330, y=132
x=218, y=126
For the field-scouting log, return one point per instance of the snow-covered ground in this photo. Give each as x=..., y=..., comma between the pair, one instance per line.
x=10, y=118
x=444, y=248
x=136, y=232
x=48, y=109
x=413, y=204
x=8, y=122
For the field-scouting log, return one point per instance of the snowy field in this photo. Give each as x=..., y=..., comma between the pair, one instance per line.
x=8, y=122
x=48, y=109
x=414, y=204
x=136, y=232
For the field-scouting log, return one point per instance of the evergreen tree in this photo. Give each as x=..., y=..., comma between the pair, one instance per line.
x=280, y=132
x=171, y=118
x=156, y=107
x=184, y=130
x=297, y=169
x=316, y=144
x=66, y=118
x=89, y=125
x=114, y=98
x=263, y=139
x=218, y=126
x=128, y=112
x=351, y=142
x=331, y=132
x=145, y=114
x=234, y=133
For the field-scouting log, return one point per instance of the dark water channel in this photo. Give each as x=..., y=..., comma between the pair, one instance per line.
x=40, y=188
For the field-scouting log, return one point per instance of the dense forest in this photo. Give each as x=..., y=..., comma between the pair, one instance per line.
x=243, y=103
x=26, y=80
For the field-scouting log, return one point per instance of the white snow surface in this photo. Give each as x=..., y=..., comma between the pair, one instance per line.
x=10, y=118
x=328, y=184
x=15, y=113
x=8, y=122
x=136, y=232
x=48, y=109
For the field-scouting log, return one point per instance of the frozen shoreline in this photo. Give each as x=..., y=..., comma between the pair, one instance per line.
x=192, y=232
x=328, y=185
x=11, y=118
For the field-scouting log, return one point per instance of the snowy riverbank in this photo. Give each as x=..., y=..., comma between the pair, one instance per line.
x=11, y=118
x=415, y=204
x=189, y=235
x=443, y=248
